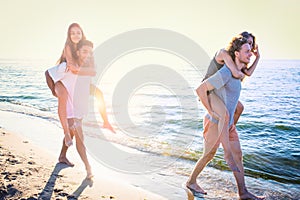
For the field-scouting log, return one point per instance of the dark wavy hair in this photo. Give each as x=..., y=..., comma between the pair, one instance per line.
x=246, y=35
x=236, y=45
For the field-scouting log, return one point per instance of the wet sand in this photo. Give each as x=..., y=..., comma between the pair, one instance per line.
x=29, y=172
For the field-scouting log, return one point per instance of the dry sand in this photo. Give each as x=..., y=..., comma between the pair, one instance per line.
x=29, y=172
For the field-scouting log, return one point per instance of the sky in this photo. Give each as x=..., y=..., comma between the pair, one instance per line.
x=37, y=29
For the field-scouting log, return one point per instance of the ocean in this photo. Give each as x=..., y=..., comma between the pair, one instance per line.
x=159, y=129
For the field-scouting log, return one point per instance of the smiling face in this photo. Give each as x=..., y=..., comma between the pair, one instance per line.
x=75, y=34
x=244, y=54
x=84, y=53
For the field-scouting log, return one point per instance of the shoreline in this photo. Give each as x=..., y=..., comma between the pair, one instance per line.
x=28, y=171
x=28, y=157
x=46, y=135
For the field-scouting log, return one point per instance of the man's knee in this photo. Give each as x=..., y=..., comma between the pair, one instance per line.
x=238, y=155
x=208, y=155
x=79, y=139
x=237, y=152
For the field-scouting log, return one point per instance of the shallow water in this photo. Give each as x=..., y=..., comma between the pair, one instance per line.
x=269, y=128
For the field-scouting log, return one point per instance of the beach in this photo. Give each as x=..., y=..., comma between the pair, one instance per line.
x=30, y=172
x=129, y=165
x=149, y=58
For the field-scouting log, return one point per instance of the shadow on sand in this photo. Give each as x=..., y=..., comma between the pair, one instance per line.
x=86, y=182
x=48, y=190
x=49, y=187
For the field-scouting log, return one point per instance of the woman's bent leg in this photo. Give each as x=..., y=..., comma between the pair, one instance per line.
x=62, y=95
x=102, y=108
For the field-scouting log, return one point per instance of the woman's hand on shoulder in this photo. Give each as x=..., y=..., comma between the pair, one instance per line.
x=73, y=69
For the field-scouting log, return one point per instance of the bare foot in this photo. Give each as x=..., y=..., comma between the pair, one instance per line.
x=195, y=188
x=65, y=161
x=89, y=176
x=190, y=195
x=68, y=139
x=109, y=127
x=249, y=196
